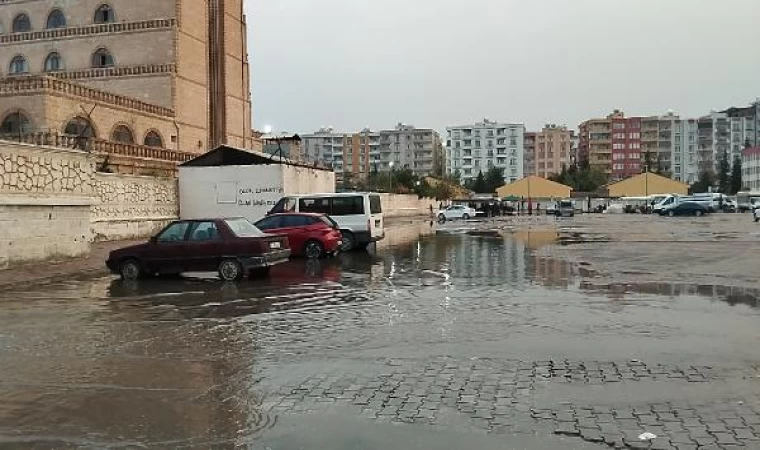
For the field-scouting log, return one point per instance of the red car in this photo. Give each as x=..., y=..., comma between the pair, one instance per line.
x=310, y=235
x=230, y=246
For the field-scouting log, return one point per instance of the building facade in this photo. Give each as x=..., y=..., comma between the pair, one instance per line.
x=751, y=168
x=351, y=155
x=156, y=73
x=529, y=149
x=406, y=147
x=553, y=150
x=476, y=148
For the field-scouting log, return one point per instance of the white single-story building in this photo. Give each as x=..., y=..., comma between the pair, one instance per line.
x=231, y=182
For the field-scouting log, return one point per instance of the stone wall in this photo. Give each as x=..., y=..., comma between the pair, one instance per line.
x=129, y=207
x=45, y=201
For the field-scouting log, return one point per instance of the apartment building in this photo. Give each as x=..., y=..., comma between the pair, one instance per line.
x=726, y=133
x=406, y=147
x=529, y=145
x=751, y=168
x=475, y=148
x=352, y=155
x=553, y=149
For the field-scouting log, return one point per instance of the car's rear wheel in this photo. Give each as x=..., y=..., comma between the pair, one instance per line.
x=313, y=250
x=230, y=270
x=441, y=218
x=698, y=213
x=349, y=241
x=466, y=216
x=671, y=213
x=130, y=269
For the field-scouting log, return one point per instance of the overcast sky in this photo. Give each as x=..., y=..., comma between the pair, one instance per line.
x=433, y=63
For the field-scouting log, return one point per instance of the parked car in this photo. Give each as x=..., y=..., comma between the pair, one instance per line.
x=685, y=209
x=565, y=208
x=230, y=246
x=310, y=235
x=756, y=213
x=455, y=212
x=359, y=215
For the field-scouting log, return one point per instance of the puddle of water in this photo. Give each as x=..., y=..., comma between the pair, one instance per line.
x=171, y=362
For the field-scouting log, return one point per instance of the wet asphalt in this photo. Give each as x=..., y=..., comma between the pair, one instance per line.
x=431, y=340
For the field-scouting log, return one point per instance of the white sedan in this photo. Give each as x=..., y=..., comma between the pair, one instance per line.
x=455, y=212
x=756, y=213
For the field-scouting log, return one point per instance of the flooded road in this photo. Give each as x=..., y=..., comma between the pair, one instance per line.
x=434, y=330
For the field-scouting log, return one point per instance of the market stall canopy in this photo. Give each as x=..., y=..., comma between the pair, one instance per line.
x=646, y=184
x=534, y=187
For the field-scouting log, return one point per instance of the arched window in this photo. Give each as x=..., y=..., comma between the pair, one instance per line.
x=21, y=24
x=102, y=58
x=56, y=19
x=79, y=126
x=153, y=139
x=104, y=14
x=53, y=62
x=19, y=65
x=122, y=134
x=15, y=123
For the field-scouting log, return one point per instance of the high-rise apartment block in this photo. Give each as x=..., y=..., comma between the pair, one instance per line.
x=475, y=148
x=406, y=147
x=552, y=150
x=352, y=155
x=157, y=73
x=529, y=158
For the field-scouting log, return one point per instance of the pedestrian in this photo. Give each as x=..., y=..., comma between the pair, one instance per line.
x=538, y=209
x=431, y=210
x=530, y=208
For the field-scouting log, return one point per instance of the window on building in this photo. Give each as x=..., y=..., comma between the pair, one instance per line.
x=153, y=139
x=102, y=58
x=105, y=14
x=122, y=134
x=18, y=65
x=56, y=19
x=15, y=123
x=22, y=24
x=79, y=126
x=53, y=62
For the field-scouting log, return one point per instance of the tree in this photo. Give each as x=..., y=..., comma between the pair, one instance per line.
x=724, y=180
x=736, y=176
x=494, y=179
x=479, y=184
x=703, y=184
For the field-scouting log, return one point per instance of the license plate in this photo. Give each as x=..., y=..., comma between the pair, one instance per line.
x=275, y=245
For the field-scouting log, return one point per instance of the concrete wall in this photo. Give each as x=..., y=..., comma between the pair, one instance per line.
x=399, y=205
x=131, y=207
x=45, y=200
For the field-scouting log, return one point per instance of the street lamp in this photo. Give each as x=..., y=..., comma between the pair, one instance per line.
x=390, y=177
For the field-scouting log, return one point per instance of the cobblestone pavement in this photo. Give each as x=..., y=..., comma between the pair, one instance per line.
x=499, y=398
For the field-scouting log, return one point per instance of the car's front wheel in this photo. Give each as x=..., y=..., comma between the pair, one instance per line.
x=230, y=270
x=313, y=250
x=466, y=216
x=130, y=269
x=441, y=218
x=671, y=213
x=698, y=213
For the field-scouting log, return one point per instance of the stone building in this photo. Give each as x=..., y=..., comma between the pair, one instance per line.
x=145, y=74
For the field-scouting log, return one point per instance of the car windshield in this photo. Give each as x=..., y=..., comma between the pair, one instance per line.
x=243, y=228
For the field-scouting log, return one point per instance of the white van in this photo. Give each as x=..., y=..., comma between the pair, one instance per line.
x=359, y=215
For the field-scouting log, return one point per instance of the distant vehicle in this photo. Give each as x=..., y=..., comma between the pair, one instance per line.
x=455, y=212
x=565, y=208
x=685, y=209
x=756, y=213
x=310, y=235
x=712, y=201
x=359, y=215
x=746, y=201
x=230, y=246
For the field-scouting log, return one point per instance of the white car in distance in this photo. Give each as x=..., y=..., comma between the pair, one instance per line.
x=456, y=212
